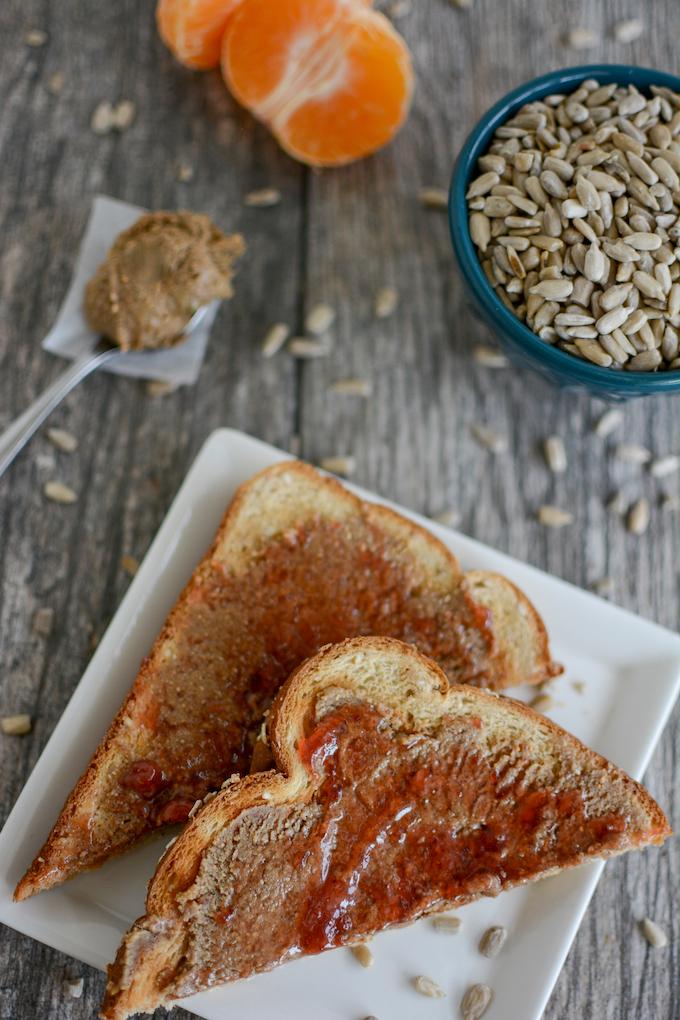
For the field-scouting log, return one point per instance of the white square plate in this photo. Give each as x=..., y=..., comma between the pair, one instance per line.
x=631, y=672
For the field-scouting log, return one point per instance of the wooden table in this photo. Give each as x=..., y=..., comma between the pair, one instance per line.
x=336, y=237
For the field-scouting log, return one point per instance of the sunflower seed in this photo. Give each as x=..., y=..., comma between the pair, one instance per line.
x=437, y=198
x=160, y=388
x=363, y=955
x=263, y=198
x=62, y=439
x=130, y=565
x=664, y=466
x=73, y=987
x=449, y=518
x=553, y=517
x=386, y=300
x=43, y=621
x=629, y=30
x=448, y=924
x=603, y=586
x=631, y=453
x=35, y=37
x=302, y=347
x=56, y=82
x=638, y=517
x=274, y=339
x=489, y=357
x=645, y=361
x=426, y=986
x=493, y=939
x=555, y=454
x=352, y=387
x=475, y=1002
x=16, y=725
x=654, y=933
x=123, y=114
x=493, y=441
x=339, y=465
x=542, y=703
x=59, y=493
x=319, y=319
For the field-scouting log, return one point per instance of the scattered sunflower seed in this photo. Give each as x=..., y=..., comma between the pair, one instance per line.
x=35, y=37
x=608, y=422
x=555, y=454
x=184, y=172
x=274, y=339
x=486, y=437
x=541, y=703
x=385, y=303
x=475, y=1002
x=43, y=621
x=339, y=465
x=399, y=9
x=160, y=388
x=631, y=453
x=16, y=725
x=434, y=198
x=130, y=565
x=493, y=939
x=628, y=31
x=352, y=387
x=59, y=493
x=302, y=347
x=62, y=439
x=108, y=117
x=603, y=586
x=447, y=924
x=638, y=517
x=616, y=504
x=654, y=933
x=426, y=986
x=449, y=518
x=363, y=955
x=74, y=987
x=582, y=39
x=319, y=319
x=663, y=466
x=56, y=82
x=489, y=357
x=124, y=114
x=263, y=198
x=554, y=517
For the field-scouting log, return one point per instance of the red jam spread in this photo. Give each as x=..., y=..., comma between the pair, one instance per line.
x=238, y=637
x=409, y=823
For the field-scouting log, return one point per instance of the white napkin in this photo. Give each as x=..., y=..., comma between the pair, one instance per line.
x=71, y=336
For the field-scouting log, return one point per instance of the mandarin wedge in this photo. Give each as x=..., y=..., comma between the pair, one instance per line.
x=331, y=78
x=193, y=29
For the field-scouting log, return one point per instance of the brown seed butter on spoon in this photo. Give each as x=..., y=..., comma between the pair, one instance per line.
x=157, y=274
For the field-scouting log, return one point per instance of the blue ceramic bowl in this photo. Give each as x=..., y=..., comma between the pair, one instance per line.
x=521, y=343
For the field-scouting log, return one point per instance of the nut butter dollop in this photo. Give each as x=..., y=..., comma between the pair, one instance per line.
x=155, y=277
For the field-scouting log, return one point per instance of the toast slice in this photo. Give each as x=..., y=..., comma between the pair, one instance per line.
x=298, y=562
x=397, y=795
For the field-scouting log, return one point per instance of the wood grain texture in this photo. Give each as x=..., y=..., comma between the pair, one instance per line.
x=337, y=237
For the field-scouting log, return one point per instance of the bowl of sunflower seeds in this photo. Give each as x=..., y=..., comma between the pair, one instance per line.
x=565, y=221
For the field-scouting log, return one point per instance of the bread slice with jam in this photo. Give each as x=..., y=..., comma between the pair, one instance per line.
x=298, y=562
x=395, y=795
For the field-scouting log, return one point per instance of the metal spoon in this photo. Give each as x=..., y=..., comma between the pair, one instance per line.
x=18, y=433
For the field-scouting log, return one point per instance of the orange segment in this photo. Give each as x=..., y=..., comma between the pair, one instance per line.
x=193, y=29
x=332, y=78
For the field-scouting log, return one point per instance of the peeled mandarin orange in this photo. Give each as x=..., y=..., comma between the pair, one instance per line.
x=331, y=78
x=193, y=29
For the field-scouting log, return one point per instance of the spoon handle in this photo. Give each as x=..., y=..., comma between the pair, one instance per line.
x=18, y=433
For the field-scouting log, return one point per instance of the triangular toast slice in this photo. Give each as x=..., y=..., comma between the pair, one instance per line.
x=298, y=562
x=396, y=795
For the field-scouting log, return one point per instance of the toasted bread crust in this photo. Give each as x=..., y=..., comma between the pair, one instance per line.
x=414, y=693
x=270, y=502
